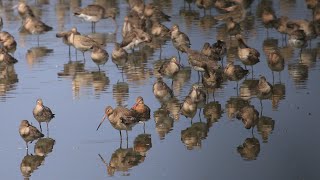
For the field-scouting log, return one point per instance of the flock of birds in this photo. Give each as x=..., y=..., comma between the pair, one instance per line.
x=143, y=24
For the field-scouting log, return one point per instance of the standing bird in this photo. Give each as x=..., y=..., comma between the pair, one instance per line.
x=94, y=13
x=161, y=90
x=120, y=118
x=180, y=40
x=142, y=111
x=81, y=42
x=248, y=56
x=65, y=38
x=170, y=68
x=35, y=26
x=99, y=55
x=42, y=113
x=28, y=132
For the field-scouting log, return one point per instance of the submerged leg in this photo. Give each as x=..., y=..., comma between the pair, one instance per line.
x=40, y=127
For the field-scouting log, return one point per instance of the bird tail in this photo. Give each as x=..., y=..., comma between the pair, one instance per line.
x=53, y=115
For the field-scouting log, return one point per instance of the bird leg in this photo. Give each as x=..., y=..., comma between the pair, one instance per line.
x=40, y=127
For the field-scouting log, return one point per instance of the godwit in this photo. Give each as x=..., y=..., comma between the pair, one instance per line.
x=161, y=90
x=264, y=88
x=120, y=118
x=28, y=132
x=204, y=4
x=94, y=13
x=154, y=13
x=35, y=26
x=6, y=58
x=65, y=38
x=248, y=56
x=170, y=68
x=42, y=113
x=142, y=111
x=197, y=95
x=99, y=55
x=133, y=39
x=235, y=72
x=159, y=30
x=118, y=53
x=179, y=39
x=81, y=42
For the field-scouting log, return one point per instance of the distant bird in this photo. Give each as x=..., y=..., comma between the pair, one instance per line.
x=275, y=61
x=212, y=78
x=179, y=40
x=207, y=51
x=94, y=13
x=219, y=48
x=133, y=39
x=8, y=42
x=6, y=58
x=118, y=53
x=99, y=55
x=28, y=132
x=161, y=90
x=81, y=42
x=24, y=10
x=35, y=26
x=233, y=27
x=42, y=113
x=65, y=38
x=234, y=72
x=248, y=56
x=120, y=118
x=159, y=30
x=197, y=95
x=154, y=13
x=170, y=68
x=205, y=4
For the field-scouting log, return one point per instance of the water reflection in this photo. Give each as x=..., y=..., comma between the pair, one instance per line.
x=192, y=136
x=265, y=127
x=37, y=54
x=250, y=149
x=164, y=123
x=120, y=92
x=44, y=146
x=212, y=112
x=233, y=105
x=124, y=159
x=8, y=79
x=29, y=164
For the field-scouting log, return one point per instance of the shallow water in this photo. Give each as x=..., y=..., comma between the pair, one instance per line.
x=284, y=144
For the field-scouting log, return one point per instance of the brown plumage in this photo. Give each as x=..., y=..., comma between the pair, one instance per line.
x=42, y=113
x=6, y=58
x=179, y=39
x=235, y=72
x=120, y=118
x=264, y=88
x=28, y=132
x=248, y=56
x=99, y=55
x=141, y=109
x=170, y=68
x=161, y=90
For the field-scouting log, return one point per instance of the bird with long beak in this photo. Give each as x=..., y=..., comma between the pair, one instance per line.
x=120, y=118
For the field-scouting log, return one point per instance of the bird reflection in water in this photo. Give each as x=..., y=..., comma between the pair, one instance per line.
x=192, y=136
x=29, y=164
x=164, y=123
x=279, y=93
x=265, y=127
x=250, y=149
x=44, y=146
x=212, y=112
x=299, y=73
x=233, y=105
x=37, y=54
x=8, y=79
x=123, y=160
x=120, y=92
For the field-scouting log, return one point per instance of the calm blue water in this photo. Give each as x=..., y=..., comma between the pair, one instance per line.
x=77, y=93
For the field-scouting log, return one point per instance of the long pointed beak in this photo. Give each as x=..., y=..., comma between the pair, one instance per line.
x=135, y=105
x=104, y=117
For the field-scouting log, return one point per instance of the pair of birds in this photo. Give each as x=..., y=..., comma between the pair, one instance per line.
x=41, y=113
x=122, y=118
